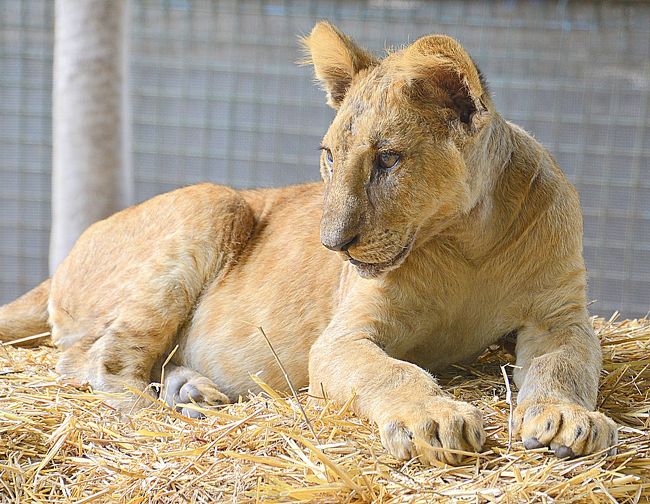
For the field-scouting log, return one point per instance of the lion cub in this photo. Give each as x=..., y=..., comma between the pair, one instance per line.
x=447, y=228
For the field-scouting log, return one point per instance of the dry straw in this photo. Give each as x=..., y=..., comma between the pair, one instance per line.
x=60, y=443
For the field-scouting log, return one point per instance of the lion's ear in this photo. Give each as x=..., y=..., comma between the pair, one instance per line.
x=438, y=67
x=336, y=60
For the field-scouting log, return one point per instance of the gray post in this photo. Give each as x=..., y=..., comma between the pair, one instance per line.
x=91, y=171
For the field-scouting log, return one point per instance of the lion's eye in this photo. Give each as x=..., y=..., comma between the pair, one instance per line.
x=387, y=160
x=329, y=158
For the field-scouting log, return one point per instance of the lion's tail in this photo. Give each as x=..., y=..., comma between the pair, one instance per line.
x=25, y=317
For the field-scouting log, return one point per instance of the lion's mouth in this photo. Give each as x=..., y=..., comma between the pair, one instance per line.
x=372, y=270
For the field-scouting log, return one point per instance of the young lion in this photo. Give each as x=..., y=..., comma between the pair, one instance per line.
x=450, y=228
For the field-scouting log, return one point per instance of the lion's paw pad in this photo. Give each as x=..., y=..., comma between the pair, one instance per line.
x=197, y=390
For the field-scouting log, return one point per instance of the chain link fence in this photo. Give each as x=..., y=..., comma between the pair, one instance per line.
x=216, y=96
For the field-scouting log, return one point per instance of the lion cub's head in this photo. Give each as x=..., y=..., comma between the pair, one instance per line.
x=394, y=159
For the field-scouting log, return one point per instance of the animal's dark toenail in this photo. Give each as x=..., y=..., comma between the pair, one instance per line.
x=579, y=432
x=191, y=413
x=549, y=424
x=532, y=443
x=564, y=452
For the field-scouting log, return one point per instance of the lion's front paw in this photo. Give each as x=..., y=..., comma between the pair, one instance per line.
x=568, y=429
x=434, y=431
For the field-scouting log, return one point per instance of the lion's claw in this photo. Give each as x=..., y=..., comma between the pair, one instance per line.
x=564, y=452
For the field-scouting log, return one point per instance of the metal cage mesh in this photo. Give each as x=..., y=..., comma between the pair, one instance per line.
x=216, y=95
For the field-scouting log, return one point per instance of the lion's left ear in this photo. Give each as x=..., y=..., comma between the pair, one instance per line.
x=336, y=59
x=438, y=67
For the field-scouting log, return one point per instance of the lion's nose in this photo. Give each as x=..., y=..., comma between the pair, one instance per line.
x=340, y=245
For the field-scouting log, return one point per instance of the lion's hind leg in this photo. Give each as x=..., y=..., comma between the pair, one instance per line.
x=119, y=300
x=184, y=387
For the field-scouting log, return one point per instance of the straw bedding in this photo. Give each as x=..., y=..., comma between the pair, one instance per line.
x=60, y=443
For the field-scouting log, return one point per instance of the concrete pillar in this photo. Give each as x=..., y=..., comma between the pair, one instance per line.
x=91, y=172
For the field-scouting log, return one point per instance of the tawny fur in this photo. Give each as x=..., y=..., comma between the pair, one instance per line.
x=475, y=233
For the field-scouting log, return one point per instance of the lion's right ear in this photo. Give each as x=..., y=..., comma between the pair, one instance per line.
x=336, y=59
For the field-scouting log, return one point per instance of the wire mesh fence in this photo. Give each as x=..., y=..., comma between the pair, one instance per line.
x=216, y=95
x=25, y=143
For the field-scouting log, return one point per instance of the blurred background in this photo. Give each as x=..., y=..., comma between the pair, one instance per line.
x=214, y=95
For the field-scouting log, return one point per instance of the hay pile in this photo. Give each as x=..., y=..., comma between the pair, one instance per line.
x=60, y=443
